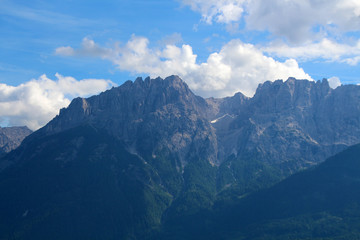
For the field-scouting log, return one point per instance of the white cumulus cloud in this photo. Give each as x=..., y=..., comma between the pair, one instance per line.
x=37, y=101
x=236, y=67
x=296, y=20
x=305, y=29
x=222, y=11
x=302, y=20
x=325, y=49
x=88, y=49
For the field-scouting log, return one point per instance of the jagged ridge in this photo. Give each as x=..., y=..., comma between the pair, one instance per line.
x=145, y=155
x=296, y=123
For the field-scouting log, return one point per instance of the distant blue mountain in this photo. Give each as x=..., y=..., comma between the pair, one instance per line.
x=11, y=137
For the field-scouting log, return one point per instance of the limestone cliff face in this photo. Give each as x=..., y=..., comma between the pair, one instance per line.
x=292, y=124
x=295, y=123
x=149, y=116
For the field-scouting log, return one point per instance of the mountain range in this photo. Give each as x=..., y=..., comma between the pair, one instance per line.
x=145, y=159
x=293, y=124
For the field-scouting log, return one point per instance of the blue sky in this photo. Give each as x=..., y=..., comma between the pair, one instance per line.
x=53, y=51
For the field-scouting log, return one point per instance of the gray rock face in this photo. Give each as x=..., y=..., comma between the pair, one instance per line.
x=150, y=116
x=218, y=107
x=293, y=124
x=11, y=137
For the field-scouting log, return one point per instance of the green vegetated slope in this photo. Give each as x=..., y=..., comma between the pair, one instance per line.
x=79, y=184
x=319, y=203
x=83, y=184
x=95, y=189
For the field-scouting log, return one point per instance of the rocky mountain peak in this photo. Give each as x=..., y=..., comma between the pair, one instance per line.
x=173, y=82
x=296, y=121
x=293, y=120
x=293, y=93
x=148, y=115
x=130, y=100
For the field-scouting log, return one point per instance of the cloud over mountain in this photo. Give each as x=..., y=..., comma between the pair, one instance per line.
x=37, y=101
x=236, y=67
x=300, y=29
